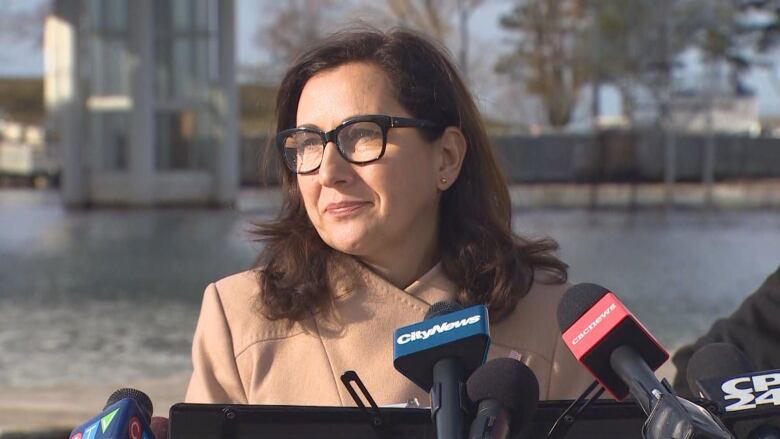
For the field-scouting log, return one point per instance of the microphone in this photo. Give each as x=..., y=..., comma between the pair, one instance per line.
x=438, y=354
x=507, y=392
x=594, y=323
x=610, y=342
x=721, y=373
x=159, y=427
x=715, y=361
x=126, y=415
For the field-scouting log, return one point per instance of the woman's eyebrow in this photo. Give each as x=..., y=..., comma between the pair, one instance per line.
x=315, y=127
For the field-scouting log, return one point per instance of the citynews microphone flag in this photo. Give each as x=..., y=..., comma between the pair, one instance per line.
x=463, y=334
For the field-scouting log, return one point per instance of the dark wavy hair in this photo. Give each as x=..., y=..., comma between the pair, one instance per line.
x=479, y=251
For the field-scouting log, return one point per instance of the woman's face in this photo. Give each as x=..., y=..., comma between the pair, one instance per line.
x=386, y=208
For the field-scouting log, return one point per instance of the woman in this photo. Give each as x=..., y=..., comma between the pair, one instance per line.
x=393, y=201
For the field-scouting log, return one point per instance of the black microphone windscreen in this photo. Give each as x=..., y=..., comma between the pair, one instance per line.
x=160, y=426
x=576, y=301
x=716, y=360
x=441, y=308
x=140, y=398
x=507, y=380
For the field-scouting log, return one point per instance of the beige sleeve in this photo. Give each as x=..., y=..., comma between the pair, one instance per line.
x=215, y=377
x=568, y=378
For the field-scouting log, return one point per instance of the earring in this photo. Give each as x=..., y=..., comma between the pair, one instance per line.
x=443, y=180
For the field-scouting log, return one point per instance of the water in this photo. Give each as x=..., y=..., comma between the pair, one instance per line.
x=113, y=294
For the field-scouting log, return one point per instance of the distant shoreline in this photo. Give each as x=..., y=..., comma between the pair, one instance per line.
x=736, y=195
x=32, y=412
x=731, y=195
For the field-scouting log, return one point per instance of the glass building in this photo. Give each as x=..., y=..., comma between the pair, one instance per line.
x=141, y=97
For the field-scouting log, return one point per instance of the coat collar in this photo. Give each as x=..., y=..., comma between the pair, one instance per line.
x=348, y=275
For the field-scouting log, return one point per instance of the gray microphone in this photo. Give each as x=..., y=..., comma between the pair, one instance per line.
x=507, y=393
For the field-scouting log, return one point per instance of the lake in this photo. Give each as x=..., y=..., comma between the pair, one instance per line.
x=113, y=294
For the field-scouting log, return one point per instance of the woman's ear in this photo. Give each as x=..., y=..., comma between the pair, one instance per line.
x=452, y=144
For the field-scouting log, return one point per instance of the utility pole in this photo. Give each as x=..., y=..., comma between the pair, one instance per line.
x=598, y=147
x=464, y=10
x=595, y=106
x=670, y=137
x=708, y=167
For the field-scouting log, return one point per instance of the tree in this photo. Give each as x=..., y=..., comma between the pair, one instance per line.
x=741, y=33
x=436, y=18
x=631, y=48
x=548, y=55
x=427, y=16
x=465, y=9
x=637, y=45
x=768, y=31
x=295, y=25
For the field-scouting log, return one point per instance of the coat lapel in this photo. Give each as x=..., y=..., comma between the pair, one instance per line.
x=374, y=309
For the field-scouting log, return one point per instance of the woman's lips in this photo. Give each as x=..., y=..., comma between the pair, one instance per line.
x=344, y=208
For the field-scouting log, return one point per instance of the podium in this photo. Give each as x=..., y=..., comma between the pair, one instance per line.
x=602, y=420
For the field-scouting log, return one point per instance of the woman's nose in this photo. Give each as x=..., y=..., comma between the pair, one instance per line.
x=334, y=169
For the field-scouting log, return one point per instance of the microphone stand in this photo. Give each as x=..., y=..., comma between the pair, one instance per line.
x=668, y=417
x=567, y=418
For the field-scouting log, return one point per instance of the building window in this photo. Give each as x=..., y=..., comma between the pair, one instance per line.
x=109, y=138
x=186, y=77
x=106, y=47
x=184, y=139
x=185, y=48
x=104, y=55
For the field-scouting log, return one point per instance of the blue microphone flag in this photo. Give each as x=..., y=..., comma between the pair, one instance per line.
x=463, y=334
x=121, y=420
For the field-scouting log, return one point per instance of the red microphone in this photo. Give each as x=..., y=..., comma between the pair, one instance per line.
x=594, y=324
x=606, y=338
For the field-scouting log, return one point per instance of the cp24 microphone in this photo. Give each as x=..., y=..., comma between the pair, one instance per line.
x=608, y=340
x=507, y=393
x=438, y=354
x=720, y=373
x=127, y=415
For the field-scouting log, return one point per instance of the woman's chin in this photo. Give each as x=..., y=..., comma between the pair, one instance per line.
x=347, y=237
x=350, y=248
x=351, y=245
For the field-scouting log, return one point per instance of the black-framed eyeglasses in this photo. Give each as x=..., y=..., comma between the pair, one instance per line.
x=361, y=139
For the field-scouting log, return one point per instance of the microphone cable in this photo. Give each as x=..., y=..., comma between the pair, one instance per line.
x=569, y=416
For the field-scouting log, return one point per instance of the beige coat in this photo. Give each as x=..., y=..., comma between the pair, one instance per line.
x=240, y=357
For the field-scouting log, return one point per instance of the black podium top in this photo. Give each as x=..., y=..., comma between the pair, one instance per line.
x=602, y=420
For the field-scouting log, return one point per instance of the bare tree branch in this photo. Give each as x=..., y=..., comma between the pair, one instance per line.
x=295, y=25
x=548, y=53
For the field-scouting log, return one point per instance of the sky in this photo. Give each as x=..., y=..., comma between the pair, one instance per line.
x=488, y=40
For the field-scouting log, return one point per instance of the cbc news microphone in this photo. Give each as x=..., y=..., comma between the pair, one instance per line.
x=126, y=415
x=722, y=374
x=438, y=354
x=507, y=393
x=610, y=342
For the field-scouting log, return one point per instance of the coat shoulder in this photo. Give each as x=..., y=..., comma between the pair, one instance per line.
x=533, y=324
x=240, y=298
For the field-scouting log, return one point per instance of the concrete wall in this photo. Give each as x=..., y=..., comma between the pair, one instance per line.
x=612, y=157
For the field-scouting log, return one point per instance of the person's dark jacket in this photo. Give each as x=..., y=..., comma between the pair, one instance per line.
x=754, y=328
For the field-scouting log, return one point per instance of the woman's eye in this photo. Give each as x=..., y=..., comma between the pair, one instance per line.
x=309, y=143
x=365, y=133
